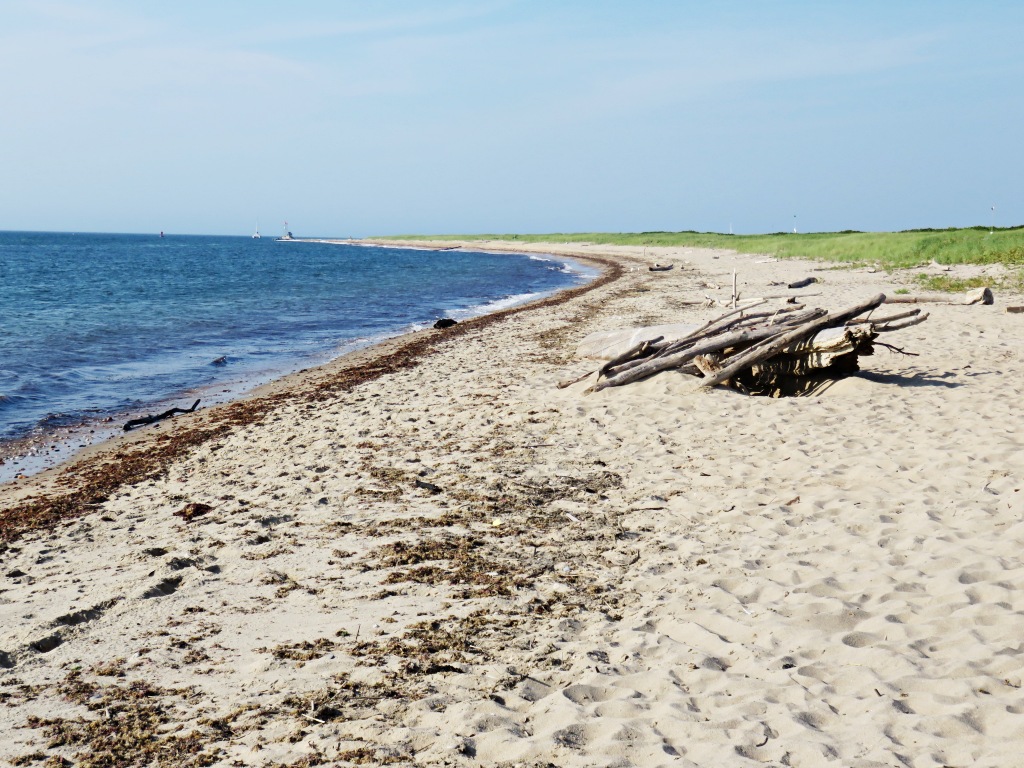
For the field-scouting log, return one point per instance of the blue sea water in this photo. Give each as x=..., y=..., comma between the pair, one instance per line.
x=93, y=325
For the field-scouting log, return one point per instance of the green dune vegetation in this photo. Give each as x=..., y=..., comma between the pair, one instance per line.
x=885, y=250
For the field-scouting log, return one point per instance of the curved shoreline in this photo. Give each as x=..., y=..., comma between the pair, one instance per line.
x=45, y=449
x=87, y=478
x=462, y=563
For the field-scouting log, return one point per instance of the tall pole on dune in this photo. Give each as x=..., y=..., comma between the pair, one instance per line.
x=992, y=228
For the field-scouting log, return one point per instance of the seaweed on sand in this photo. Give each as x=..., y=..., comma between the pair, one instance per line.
x=127, y=726
x=90, y=482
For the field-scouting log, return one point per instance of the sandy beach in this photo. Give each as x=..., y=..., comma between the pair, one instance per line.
x=426, y=553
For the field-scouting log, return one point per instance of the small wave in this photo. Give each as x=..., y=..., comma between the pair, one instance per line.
x=53, y=420
x=572, y=268
x=494, y=306
x=11, y=382
x=566, y=267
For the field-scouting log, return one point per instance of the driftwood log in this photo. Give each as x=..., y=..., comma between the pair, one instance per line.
x=975, y=296
x=140, y=422
x=763, y=352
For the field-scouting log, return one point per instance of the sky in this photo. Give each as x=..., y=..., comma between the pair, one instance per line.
x=349, y=118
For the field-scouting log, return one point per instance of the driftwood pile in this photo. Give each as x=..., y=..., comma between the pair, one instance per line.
x=769, y=352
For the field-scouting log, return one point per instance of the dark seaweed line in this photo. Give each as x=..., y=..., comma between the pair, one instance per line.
x=96, y=478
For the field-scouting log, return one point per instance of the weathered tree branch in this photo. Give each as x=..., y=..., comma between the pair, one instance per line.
x=133, y=423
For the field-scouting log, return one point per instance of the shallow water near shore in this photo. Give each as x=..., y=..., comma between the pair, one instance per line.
x=95, y=326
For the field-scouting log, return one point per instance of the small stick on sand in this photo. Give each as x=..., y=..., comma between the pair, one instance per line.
x=570, y=382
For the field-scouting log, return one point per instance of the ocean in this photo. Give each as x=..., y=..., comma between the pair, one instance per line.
x=97, y=327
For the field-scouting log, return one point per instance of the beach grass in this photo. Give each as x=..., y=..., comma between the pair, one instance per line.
x=887, y=250
x=1013, y=281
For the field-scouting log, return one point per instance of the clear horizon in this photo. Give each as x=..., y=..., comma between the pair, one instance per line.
x=510, y=117
x=321, y=235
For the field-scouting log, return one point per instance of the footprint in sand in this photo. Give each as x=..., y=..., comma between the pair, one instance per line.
x=47, y=644
x=532, y=690
x=86, y=614
x=575, y=736
x=859, y=639
x=587, y=694
x=164, y=588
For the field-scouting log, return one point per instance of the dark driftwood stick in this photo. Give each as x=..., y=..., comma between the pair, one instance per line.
x=768, y=348
x=891, y=348
x=153, y=419
x=803, y=283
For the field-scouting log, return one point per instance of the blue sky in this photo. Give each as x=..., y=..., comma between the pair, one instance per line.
x=357, y=118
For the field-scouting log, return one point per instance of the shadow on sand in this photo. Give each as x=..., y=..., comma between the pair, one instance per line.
x=921, y=379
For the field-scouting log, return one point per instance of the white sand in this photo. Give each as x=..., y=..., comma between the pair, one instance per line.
x=692, y=578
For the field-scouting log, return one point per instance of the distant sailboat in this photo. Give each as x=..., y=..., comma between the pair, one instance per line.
x=256, y=235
